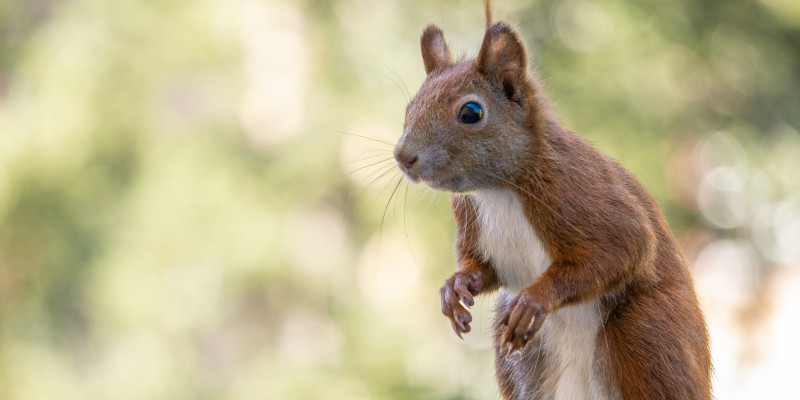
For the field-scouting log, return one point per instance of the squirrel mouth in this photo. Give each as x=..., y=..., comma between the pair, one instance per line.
x=449, y=183
x=437, y=184
x=414, y=178
x=431, y=182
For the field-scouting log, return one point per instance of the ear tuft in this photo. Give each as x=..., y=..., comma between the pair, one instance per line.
x=435, y=53
x=502, y=57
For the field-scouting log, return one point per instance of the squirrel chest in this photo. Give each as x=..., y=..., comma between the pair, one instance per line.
x=563, y=361
x=508, y=240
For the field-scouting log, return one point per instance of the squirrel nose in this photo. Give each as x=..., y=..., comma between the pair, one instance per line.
x=407, y=160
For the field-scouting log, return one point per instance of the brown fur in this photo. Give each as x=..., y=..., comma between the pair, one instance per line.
x=604, y=232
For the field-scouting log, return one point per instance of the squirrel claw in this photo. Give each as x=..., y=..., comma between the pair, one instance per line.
x=522, y=320
x=457, y=295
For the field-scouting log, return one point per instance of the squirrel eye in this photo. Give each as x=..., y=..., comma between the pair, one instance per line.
x=470, y=113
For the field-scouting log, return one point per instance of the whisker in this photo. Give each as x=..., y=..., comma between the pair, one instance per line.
x=365, y=158
x=381, y=151
x=391, y=195
x=378, y=140
x=370, y=165
x=373, y=178
x=398, y=103
x=407, y=92
x=382, y=165
x=405, y=214
x=433, y=199
x=396, y=200
x=394, y=173
x=385, y=209
x=386, y=170
x=370, y=140
x=405, y=223
x=381, y=173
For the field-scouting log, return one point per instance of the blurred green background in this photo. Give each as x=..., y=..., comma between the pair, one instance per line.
x=188, y=211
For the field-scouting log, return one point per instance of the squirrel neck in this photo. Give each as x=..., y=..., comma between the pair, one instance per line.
x=559, y=164
x=549, y=138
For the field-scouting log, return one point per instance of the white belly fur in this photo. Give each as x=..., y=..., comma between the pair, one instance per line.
x=569, y=334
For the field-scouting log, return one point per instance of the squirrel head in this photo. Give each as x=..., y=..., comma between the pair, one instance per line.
x=469, y=125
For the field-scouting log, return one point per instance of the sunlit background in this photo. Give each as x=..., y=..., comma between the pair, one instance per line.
x=196, y=200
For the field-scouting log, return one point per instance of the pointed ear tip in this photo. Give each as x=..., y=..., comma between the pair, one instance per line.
x=432, y=29
x=502, y=27
x=435, y=53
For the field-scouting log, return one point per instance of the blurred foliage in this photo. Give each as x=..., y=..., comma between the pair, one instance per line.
x=187, y=209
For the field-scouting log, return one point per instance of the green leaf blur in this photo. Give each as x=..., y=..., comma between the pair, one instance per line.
x=198, y=200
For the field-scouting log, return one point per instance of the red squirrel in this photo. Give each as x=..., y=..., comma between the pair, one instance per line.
x=595, y=297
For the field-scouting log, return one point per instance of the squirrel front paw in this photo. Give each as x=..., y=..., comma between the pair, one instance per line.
x=523, y=319
x=458, y=292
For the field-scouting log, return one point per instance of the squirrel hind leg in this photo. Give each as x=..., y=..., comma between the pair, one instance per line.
x=641, y=350
x=521, y=374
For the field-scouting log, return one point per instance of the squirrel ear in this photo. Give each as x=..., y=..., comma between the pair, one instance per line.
x=435, y=53
x=502, y=57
